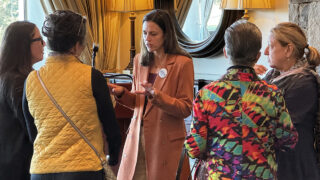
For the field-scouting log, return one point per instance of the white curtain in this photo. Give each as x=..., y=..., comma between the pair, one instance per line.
x=195, y=26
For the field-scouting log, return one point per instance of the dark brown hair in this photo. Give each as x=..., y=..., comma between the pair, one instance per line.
x=170, y=44
x=63, y=30
x=15, y=62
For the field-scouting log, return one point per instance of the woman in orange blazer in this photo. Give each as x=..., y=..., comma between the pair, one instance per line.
x=161, y=96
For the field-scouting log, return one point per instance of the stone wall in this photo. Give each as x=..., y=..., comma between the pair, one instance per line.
x=306, y=13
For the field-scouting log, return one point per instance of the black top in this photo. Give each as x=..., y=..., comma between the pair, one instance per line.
x=105, y=112
x=15, y=147
x=301, y=97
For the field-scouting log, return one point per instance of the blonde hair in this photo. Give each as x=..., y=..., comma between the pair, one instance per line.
x=290, y=33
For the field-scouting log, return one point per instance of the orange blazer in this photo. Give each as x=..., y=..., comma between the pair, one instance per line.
x=163, y=120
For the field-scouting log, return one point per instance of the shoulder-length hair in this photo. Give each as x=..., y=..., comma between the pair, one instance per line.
x=170, y=44
x=15, y=62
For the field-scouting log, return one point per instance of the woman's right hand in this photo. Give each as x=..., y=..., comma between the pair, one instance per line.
x=116, y=90
x=260, y=69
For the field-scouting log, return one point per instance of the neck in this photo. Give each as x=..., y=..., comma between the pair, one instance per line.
x=287, y=66
x=159, y=58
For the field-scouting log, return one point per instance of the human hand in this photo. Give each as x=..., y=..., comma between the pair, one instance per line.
x=260, y=69
x=148, y=89
x=116, y=90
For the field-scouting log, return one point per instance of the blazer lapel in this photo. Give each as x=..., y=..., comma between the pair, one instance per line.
x=159, y=82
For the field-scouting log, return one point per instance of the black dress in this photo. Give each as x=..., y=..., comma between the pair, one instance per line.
x=301, y=96
x=15, y=147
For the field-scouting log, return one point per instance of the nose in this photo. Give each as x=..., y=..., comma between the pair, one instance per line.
x=147, y=37
x=266, y=51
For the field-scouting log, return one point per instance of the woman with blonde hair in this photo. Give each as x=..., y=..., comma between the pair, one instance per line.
x=294, y=63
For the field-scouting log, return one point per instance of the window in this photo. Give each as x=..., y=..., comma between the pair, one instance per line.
x=10, y=11
x=35, y=14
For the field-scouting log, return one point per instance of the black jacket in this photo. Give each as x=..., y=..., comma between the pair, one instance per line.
x=15, y=147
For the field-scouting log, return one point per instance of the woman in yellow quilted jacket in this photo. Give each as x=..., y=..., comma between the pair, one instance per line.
x=59, y=151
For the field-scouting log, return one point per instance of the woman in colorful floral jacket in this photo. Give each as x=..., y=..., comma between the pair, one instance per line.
x=240, y=120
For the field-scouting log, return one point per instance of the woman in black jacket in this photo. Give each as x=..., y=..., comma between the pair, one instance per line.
x=21, y=47
x=294, y=63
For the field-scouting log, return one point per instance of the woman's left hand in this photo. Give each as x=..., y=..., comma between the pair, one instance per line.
x=148, y=89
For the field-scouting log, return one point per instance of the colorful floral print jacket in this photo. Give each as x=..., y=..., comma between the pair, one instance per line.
x=238, y=123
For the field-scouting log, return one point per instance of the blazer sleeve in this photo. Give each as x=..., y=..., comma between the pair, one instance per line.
x=128, y=99
x=181, y=104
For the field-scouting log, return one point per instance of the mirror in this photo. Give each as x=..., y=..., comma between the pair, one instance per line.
x=207, y=46
x=201, y=20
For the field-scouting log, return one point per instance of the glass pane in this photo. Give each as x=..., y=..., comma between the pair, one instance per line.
x=10, y=11
x=202, y=19
x=215, y=17
x=36, y=15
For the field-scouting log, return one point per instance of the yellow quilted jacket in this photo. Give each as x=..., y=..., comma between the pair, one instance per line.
x=58, y=147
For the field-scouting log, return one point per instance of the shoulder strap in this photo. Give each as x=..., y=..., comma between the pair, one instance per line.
x=69, y=120
x=180, y=163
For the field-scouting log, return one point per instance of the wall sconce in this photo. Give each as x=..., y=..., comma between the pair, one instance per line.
x=130, y=6
x=246, y=4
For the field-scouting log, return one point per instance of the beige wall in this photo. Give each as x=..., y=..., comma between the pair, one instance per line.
x=208, y=68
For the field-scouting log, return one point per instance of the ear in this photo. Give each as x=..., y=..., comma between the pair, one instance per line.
x=289, y=50
x=78, y=48
x=225, y=53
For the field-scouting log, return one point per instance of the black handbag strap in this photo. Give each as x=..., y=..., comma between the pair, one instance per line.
x=183, y=152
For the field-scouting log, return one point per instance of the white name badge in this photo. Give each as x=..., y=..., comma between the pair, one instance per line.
x=163, y=72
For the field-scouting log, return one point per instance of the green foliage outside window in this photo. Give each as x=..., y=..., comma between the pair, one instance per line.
x=9, y=12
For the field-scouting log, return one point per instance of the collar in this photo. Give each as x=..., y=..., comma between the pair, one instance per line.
x=295, y=69
x=62, y=58
x=240, y=73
